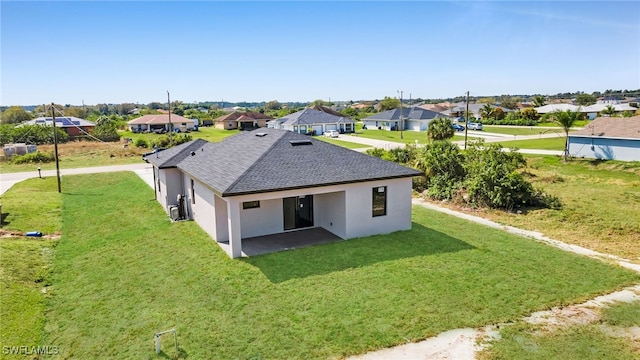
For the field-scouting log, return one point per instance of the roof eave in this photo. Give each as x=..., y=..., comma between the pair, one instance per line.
x=229, y=194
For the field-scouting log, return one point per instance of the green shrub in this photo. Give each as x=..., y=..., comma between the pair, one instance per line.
x=32, y=158
x=442, y=164
x=141, y=143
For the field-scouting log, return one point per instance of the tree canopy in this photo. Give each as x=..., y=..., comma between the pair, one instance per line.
x=14, y=115
x=389, y=103
x=440, y=129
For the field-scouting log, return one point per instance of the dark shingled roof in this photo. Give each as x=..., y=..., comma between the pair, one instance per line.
x=412, y=113
x=279, y=160
x=312, y=116
x=171, y=157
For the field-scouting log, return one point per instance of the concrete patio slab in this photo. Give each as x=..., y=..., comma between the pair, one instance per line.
x=286, y=241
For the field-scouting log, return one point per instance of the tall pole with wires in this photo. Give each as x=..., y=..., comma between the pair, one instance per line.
x=466, y=122
x=55, y=146
x=401, y=120
x=170, y=124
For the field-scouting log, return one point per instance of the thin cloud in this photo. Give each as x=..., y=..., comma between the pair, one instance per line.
x=580, y=19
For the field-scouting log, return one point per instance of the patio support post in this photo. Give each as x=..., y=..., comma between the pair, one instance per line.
x=235, y=237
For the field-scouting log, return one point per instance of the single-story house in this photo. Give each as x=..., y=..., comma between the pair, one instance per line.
x=607, y=138
x=270, y=181
x=413, y=118
x=164, y=122
x=73, y=126
x=459, y=110
x=242, y=120
x=312, y=120
x=595, y=109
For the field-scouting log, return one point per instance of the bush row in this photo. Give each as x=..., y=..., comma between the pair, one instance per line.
x=483, y=176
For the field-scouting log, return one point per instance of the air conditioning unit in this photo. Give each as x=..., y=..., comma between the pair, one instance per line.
x=174, y=212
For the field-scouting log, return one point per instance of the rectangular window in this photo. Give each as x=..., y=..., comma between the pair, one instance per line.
x=250, y=205
x=379, y=207
x=193, y=193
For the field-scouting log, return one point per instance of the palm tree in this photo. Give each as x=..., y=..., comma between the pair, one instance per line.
x=609, y=110
x=566, y=119
x=485, y=111
x=538, y=101
x=440, y=129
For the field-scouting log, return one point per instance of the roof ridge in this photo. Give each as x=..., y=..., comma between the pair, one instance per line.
x=255, y=163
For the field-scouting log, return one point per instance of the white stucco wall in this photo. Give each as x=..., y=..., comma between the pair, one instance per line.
x=329, y=212
x=170, y=187
x=347, y=206
x=267, y=219
x=603, y=148
x=203, y=210
x=360, y=221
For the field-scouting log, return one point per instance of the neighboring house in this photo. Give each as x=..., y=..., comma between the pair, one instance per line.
x=244, y=120
x=550, y=108
x=413, y=118
x=433, y=107
x=460, y=109
x=312, y=120
x=269, y=181
x=163, y=122
x=73, y=126
x=608, y=138
x=594, y=110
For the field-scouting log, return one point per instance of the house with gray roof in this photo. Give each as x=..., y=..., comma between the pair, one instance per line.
x=312, y=120
x=607, y=138
x=271, y=181
x=413, y=118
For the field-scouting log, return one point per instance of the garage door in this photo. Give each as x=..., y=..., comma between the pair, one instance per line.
x=317, y=129
x=328, y=127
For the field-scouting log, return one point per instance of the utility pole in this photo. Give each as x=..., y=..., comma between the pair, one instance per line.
x=55, y=146
x=466, y=122
x=170, y=124
x=401, y=122
x=84, y=114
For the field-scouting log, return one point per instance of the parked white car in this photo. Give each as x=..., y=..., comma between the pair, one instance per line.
x=474, y=126
x=332, y=133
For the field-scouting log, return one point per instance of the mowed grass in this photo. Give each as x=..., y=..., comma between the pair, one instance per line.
x=32, y=205
x=601, y=208
x=521, y=130
x=129, y=273
x=81, y=154
x=554, y=143
x=343, y=143
x=24, y=270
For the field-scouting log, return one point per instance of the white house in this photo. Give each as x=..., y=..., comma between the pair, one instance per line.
x=164, y=122
x=607, y=138
x=313, y=120
x=413, y=118
x=270, y=181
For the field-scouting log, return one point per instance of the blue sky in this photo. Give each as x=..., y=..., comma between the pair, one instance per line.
x=113, y=52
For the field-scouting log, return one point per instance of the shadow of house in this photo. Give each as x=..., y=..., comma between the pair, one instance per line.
x=355, y=253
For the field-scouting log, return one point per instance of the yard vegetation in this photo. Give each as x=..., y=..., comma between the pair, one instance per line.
x=590, y=340
x=117, y=280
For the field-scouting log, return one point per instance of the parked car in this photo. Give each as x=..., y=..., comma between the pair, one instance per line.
x=332, y=133
x=457, y=127
x=474, y=126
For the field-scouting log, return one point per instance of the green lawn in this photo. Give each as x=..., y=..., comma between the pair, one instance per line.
x=408, y=137
x=554, y=143
x=208, y=133
x=601, y=204
x=521, y=130
x=345, y=144
x=123, y=271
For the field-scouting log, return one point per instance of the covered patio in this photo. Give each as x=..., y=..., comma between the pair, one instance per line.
x=289, y=240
